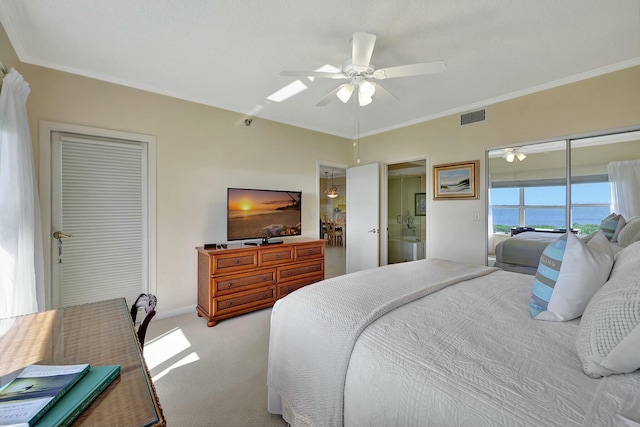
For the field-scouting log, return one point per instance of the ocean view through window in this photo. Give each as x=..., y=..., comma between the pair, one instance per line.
x=544, y=207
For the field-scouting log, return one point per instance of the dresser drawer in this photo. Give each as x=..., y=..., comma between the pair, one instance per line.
x=276, y=256
x=310, y=251
x=222, y=285
x=234, y=261
x=301, y=270
x=247, y=299
x=286, y=288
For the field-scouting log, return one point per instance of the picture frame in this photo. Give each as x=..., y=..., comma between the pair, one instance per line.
x=456, y=181
x=420, y=204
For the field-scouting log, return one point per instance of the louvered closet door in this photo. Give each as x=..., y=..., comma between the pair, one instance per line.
x=99, y=197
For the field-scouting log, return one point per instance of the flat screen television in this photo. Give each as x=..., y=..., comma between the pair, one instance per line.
x=263, y=214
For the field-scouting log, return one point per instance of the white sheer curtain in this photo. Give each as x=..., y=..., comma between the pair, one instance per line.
x=490, y=218
x=624, y=177
x=21, y=255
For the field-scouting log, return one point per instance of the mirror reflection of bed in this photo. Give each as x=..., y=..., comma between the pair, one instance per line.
x=528, y=193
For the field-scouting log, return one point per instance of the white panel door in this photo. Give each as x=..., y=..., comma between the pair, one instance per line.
x=363, y=217
x=99, y=204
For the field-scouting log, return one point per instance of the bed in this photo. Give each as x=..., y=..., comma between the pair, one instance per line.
x=439, y=343
x=521, y=252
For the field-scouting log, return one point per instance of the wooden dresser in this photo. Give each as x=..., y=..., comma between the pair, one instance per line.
x=244, y=278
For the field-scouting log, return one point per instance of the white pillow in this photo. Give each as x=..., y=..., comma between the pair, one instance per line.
x=569, y=274
x=630, y=232
x=608, y=341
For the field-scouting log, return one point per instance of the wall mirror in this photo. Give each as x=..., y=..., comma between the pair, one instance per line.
x=548, y=187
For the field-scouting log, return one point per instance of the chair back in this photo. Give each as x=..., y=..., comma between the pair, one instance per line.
x=148, y=302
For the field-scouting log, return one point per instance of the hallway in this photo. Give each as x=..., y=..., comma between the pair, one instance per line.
x=334, y=261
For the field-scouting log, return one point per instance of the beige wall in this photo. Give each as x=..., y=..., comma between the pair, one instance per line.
x=606, y=102
x=202, y=150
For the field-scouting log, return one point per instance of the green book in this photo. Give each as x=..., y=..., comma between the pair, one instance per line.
x=36, y=389
x=80, y=396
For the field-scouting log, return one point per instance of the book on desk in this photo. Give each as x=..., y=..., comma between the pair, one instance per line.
x=53, y=395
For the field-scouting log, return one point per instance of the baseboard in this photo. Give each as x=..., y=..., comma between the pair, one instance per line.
x=176, y=312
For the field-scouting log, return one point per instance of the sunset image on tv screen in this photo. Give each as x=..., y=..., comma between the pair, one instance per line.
x=253, y=214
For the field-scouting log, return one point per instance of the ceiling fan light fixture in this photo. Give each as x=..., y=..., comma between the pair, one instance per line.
x=367, y=88
x=345, y=92
x=513, y=153
x=364, y=100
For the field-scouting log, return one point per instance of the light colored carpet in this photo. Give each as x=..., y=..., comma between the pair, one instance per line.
x=217, y=376
x=211, y=376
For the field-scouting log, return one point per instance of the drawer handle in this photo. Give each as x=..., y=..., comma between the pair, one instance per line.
x=236, y=262
x=277, y=256
x=310, y=251
x=229, y=304
x=264, y=277
x=264, y=295
x=229, y=285
x=289, y=273
x=288, y=289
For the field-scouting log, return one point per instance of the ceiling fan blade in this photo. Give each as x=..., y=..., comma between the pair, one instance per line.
x=410, y=70
x=384, y=94
x=361, y=50
x=321, y=74
x=331, y=96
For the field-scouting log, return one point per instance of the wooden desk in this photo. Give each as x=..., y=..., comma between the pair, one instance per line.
x=99, y=334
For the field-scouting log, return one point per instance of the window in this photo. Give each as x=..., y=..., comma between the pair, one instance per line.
x=590, y=203
x=544, y=206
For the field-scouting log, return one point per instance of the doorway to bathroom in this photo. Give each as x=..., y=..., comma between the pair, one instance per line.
x=406, y=211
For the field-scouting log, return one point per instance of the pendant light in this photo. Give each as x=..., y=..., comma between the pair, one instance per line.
x=332, y=192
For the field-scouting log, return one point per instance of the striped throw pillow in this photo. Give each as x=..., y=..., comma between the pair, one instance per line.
x=569, y=274
x=611, y=226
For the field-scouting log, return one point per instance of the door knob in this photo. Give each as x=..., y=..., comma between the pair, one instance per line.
x=61, y=235
x=373, y=230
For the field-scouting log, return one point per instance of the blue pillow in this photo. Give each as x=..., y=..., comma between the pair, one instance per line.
x=611, y=226
x=569, y=274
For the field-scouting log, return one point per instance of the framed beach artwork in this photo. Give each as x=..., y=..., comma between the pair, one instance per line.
x=453, y=181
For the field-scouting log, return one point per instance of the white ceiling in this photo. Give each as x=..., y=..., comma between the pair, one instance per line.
x=228, y=53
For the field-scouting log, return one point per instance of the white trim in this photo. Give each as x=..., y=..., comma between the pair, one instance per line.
x=45, y=130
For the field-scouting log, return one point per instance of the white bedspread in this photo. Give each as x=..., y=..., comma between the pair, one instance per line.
x=471, y=355
x=467, y=355
x=314, y=329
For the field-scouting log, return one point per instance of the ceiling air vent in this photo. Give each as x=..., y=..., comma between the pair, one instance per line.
x=472, y=117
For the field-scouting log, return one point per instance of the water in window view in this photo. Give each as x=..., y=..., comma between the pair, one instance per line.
x=504, y=218
x=549, y=216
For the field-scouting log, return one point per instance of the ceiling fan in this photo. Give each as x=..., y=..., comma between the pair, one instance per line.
x=359, y=71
